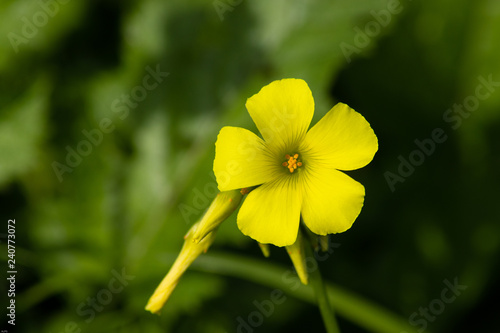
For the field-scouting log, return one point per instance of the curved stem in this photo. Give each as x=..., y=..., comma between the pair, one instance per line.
x=316, y=282
x=358, y=310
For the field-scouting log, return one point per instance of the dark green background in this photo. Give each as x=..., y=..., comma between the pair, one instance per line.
x=119, y=207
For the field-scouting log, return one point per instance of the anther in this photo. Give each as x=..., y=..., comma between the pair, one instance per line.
x=292, y=163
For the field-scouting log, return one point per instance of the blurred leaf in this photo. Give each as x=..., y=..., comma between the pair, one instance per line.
x=35, y=27
x=23, y=127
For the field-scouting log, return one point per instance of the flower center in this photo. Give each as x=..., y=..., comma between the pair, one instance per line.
x=292, y=163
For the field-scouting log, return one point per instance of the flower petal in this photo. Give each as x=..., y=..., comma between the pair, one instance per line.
x=242, y=160
x=331, y=200
x=271, y=212
x=282, y=111
x=342, y=139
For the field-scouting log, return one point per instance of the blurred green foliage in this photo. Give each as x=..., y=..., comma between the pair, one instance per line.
x=118, y=207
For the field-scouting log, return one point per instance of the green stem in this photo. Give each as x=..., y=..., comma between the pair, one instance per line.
x=317, y=284
x=358, y=310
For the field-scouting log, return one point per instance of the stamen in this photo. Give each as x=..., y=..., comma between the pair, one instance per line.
x=292, y=163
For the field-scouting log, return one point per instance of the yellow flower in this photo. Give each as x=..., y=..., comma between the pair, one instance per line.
x=297, y=170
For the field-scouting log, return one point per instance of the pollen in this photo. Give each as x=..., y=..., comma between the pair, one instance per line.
x=292, y=163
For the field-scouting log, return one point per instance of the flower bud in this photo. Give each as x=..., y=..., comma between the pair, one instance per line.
x=189, y=252
x=220, y=209
x=265, y=249
x=297, y=254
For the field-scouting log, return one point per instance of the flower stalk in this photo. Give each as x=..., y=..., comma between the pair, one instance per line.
x=316, y=282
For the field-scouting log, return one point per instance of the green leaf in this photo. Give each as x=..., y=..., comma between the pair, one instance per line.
x=22, y=130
